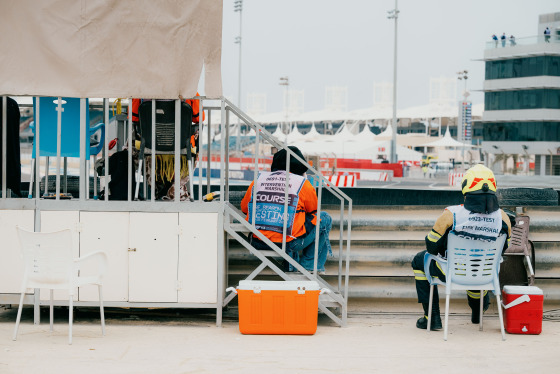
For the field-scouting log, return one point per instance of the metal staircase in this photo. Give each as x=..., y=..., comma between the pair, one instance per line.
x=334, y=302
x=239, y=229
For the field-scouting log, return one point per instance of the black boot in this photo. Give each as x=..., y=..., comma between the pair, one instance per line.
x=475, y=307
x=435, y=324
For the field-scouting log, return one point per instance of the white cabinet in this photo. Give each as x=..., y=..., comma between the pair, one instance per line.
x=108, y=232
x=11, y=263
x=198, y=245
x=153, y=256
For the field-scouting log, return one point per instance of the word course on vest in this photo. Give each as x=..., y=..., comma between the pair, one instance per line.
x=271, y=198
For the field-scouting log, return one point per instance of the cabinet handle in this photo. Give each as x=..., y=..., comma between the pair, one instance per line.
x=132, y=249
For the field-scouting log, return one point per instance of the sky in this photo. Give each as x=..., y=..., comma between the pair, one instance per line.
x=319, y=43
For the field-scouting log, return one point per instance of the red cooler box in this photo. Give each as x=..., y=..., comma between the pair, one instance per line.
x=278, y=307
x=523, y=309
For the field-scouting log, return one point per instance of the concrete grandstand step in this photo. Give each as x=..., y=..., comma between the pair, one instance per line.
x=384, y=242
x=386, y=258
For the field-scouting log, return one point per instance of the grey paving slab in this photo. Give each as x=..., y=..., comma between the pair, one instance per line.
x=372, y=343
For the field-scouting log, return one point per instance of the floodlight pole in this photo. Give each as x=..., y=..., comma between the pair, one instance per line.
x=394, y=14
x=463, y=75
x=238, y=7
x=285, y=81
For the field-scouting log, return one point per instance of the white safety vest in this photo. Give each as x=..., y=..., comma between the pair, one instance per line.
x=476, y=225
x=271, y=195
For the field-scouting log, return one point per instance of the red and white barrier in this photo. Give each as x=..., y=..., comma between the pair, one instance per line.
x=455, y=179
x=378, y=176
x=343, y=180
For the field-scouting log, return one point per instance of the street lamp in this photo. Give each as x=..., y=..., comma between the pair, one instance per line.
x=464, y=121
x=238, y=7
x=394, y=14
x=285, y=81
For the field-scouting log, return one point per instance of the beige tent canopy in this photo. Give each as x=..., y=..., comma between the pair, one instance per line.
x=110, y=48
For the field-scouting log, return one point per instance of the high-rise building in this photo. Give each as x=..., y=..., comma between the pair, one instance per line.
x=522, y=97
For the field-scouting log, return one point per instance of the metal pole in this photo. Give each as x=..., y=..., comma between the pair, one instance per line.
x=198, y=151
x=285, y=81
x=394, y=14
x=286, y=196
x=238, y=7
x=255, y=176
x=106, y=145
x=154, y=156
x=208, y=152
x=36, y=141
x=239, y=82
x=226, y=160
x=131, y=144
x=222, y=148
x=317, y=226
x=4, y=142
x=177, y=180
x=83, y=171
x=58, y=146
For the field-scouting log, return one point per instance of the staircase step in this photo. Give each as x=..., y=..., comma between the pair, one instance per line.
x=239, y=227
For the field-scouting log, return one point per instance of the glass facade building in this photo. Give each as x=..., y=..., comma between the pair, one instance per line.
x=523, y=67
x=521, y=131
x=522, y=99
x=522, y=104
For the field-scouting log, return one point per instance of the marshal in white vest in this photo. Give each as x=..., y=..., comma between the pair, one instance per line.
x=476, y=225
x=271, y=197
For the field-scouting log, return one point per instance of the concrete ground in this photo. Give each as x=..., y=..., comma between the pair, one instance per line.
x=188, y=341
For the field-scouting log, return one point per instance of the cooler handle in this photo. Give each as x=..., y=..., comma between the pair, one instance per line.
x=231, y=289
x=519, y=300
x=324, y=290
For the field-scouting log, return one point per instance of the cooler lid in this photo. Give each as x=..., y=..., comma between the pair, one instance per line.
x=278, y=285
x=522, y=290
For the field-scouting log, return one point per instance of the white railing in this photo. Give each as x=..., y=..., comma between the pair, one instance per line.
x=225, y=109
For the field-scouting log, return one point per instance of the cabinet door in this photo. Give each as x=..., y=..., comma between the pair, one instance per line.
x=107, y=232
x=198, y=257
x=55, y=220
x=153, y=255
x=11, y=263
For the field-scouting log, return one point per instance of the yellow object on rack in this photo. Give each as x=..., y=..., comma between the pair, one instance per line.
x=118, y=106
x=165, y=167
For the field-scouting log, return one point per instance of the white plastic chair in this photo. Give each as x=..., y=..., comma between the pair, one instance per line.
x=471, y=264
x=49, y=264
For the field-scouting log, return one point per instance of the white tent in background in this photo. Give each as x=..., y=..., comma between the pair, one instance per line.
x=279, y=135
x=343, y=135
x=357, y=149
x=333, y=149
x=366, y=135
x=447, y=141
x=251, y=132
x=386, y=134
x=407, y=154
x=383, y=147
x=294, y=136
x=313, y=134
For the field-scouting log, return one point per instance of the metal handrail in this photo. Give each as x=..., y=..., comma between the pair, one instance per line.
x=322, y=183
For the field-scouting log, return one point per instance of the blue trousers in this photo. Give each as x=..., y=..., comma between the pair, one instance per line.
x=302, y=249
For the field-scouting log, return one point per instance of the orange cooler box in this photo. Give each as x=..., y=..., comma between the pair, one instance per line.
x=278, y=307
x=523, y=309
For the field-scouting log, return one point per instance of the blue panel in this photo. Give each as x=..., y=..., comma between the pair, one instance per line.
x=70, y=126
